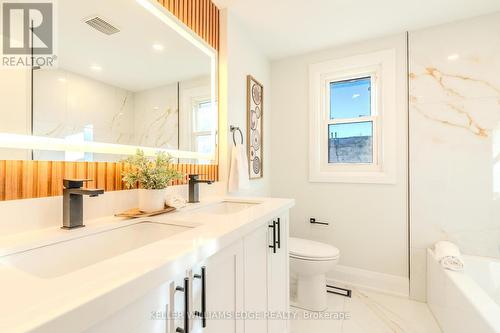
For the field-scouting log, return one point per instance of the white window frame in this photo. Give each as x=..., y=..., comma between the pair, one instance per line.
x=374, y=118
x=380, y=66
x=189, y=97
x=194, y=108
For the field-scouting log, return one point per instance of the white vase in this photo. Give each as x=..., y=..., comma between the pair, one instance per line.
x=151, y=200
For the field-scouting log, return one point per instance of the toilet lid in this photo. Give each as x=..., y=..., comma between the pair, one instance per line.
x=304, y=248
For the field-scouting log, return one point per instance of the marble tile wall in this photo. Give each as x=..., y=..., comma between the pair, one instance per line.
x=67, y=104
x=155, y=117
x=454, y=140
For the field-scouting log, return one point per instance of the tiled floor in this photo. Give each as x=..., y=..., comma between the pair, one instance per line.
x=367, y=312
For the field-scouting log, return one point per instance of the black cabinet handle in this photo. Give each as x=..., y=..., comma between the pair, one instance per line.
x=278, y=224
x=274, y=237
x=185, y=289
x=202, y=313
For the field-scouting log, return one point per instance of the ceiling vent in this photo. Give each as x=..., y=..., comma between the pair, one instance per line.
x=101, y=25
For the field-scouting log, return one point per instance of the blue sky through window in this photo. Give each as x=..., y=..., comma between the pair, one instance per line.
x=350, y=98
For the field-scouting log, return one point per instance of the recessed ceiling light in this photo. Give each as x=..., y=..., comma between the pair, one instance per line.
x=158, y=47
x=96, y=68
x=453, y=57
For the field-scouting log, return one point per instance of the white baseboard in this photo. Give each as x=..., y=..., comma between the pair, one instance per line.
x=363, y=279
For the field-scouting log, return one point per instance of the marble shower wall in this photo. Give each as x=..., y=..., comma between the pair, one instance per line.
x=454, y=140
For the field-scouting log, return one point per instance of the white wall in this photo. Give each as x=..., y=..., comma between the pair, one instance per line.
x=239, y=56
x=368, y=222
x=454, y=140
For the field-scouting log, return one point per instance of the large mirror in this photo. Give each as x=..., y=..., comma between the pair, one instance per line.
x=127, y=75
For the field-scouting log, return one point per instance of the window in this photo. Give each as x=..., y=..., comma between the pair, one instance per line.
x=203, y=125
x=352, y=119
x=351, y=122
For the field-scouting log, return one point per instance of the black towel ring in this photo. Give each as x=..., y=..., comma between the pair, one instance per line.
x=233, y=129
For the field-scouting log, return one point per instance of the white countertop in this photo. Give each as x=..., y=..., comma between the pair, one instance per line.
x=87, y=296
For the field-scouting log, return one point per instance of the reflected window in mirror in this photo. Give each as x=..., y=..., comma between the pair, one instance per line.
x=203, y=125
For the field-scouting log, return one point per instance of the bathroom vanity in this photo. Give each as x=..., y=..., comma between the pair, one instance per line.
x=223, y=262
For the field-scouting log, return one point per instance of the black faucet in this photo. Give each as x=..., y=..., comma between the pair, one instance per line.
x=73, y=202
x=194, y=187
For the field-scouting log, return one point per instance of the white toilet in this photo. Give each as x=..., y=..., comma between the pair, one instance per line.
x=310, y=261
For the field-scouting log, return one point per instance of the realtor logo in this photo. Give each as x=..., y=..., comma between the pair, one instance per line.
x=28, y=29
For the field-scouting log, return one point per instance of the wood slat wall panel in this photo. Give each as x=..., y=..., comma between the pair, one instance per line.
x=36, y=179
x=28, y=188
x=12, y=180
x=2, y=180
x=56, y=178
x=202, y=16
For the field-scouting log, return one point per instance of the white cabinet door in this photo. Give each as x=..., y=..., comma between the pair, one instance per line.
x=278, y=276
x=149, y=314
x=224, y=291
x=256, y=248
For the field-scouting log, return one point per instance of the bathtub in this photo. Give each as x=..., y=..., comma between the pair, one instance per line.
x=466, y=301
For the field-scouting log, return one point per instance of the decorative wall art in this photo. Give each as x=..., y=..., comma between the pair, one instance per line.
x=255, y=109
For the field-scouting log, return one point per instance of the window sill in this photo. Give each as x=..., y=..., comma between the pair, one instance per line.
x=362, y=177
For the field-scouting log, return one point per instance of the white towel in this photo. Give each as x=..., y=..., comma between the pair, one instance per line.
x=448, y=255
x=175, y=201
x=238, y=174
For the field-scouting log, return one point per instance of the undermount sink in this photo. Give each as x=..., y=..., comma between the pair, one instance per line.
x=68, y=256
x=226, y=208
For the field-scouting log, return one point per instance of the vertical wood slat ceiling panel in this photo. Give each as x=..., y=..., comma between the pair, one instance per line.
x=202, y=16
x=35, y=179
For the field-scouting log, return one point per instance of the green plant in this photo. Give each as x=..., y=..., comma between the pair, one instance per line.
x=150, y=173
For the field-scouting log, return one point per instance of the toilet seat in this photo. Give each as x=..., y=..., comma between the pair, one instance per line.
x=313, y=259
x=305, y=249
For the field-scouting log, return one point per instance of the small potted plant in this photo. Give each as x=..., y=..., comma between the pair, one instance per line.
x=153, y=175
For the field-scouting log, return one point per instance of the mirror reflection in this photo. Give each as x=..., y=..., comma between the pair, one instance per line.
x=123, y=77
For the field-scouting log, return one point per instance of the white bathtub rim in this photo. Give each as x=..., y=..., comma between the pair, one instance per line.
x=485, y=306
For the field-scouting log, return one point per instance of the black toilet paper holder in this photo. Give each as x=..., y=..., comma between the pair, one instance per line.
x=312, y=220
